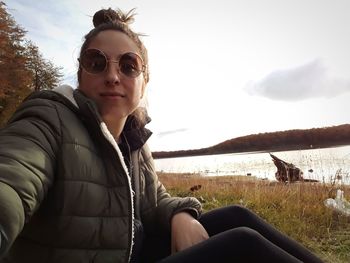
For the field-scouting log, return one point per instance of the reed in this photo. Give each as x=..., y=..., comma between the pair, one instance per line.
x=296, y=209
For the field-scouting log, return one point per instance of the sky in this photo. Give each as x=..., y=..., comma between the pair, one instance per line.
x=218, y=69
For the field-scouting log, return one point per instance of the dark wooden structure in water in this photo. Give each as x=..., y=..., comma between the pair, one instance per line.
x=286, y=172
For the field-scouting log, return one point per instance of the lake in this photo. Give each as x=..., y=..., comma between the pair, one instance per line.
x=320, y=164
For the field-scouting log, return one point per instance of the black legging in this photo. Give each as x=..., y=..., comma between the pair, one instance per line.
x=236, y=235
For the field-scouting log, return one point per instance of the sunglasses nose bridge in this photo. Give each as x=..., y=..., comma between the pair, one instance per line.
x=113, y=73
x=110, y=62
x=113, y=61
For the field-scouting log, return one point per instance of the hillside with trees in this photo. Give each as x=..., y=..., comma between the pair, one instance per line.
x=23, y=69
x=273, y=141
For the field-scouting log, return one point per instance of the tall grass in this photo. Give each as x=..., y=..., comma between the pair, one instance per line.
x=296, y=209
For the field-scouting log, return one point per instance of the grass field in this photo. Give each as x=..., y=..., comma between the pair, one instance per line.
x=296, y=209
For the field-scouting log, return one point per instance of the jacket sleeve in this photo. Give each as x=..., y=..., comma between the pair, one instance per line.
x=28, y=146
x=1, y=238
x=165, y=205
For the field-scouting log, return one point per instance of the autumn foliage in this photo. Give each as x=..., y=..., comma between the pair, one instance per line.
x=22, y=67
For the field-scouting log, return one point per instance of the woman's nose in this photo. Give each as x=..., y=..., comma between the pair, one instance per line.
x=112, y=74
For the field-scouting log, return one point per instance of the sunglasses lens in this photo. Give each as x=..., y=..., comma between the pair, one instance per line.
x=93, y=61
x=130, y=65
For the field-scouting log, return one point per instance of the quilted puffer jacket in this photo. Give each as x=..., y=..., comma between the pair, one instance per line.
x=66, y=193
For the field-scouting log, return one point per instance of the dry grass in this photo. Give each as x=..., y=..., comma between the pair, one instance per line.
x=296, y=209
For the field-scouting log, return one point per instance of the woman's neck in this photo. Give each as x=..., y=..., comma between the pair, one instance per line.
x=115, y=126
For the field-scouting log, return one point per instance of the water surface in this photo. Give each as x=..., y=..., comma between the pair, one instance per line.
x=320, y=164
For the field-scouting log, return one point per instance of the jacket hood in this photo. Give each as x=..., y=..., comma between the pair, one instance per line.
x=66, y=91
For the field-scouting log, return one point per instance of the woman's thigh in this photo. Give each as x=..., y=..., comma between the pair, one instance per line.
x=230, y=217
x=223, y=219
x=236, y=245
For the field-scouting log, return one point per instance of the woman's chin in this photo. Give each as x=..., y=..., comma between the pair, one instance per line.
x=113, y=115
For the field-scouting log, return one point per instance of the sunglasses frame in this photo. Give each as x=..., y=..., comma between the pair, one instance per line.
x=143, y=67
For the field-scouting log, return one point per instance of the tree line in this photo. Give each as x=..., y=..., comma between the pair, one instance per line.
x=273, y=141
x=23, y=68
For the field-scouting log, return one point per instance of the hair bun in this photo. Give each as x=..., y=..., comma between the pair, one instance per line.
x=106, y=16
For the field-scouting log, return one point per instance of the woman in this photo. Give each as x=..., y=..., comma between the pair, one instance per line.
x=77, y=181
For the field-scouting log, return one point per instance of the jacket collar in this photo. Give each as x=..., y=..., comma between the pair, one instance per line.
x=87, y=110
x=135, y=136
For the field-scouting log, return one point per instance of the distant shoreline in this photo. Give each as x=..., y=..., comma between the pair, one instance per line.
x=272, y=150
x=291, y=140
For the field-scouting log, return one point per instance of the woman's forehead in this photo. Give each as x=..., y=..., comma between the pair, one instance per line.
x=113, y=42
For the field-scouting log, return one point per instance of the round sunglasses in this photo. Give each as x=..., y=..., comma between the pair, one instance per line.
x=94, y=61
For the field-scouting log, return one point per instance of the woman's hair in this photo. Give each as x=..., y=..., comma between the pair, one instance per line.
x=109, y=19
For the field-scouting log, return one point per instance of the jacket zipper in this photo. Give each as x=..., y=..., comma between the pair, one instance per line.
x=108, y=136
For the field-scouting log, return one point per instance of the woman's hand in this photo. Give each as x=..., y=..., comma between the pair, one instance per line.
x=186, y=232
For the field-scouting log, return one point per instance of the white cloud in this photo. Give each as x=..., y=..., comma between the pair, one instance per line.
x=311, y=80
x=171, y=132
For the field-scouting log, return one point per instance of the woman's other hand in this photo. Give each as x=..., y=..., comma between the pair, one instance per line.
x=186, y=232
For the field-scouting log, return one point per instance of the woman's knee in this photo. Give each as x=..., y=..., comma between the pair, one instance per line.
x=239, y=210
x=230, y=217
x=246, y=233
x=244, y=238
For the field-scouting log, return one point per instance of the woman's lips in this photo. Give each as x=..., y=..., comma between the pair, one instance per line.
x=112, y=95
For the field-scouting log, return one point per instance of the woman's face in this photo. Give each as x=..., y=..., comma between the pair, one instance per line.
x=115, y=94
